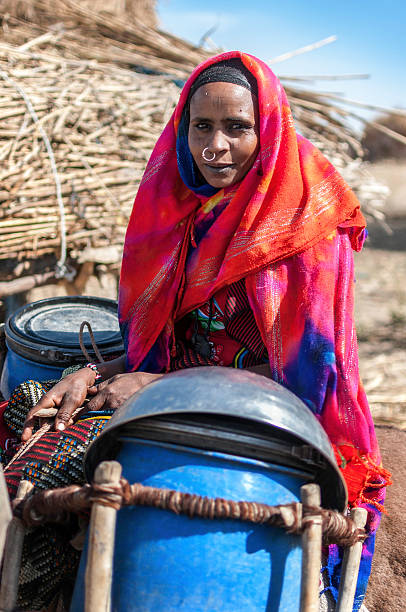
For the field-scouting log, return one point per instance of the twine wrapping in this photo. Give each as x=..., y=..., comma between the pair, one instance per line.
x=55, y=506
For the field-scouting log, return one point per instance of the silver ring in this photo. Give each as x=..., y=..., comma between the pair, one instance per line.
x=207, y=159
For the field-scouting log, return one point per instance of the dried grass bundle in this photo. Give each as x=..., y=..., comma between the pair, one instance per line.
x=45, y=12
x=379, y=144
x=90, y=34
x=102, y=123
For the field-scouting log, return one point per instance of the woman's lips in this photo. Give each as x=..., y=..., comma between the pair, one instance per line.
x=220, y=169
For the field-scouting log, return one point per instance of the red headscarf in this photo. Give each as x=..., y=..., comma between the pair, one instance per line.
x=290, y=199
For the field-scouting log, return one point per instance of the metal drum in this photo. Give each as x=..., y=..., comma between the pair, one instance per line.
x=42, y=338
x=222, y=433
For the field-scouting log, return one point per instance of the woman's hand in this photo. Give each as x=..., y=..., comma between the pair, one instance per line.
x=111, y=393
x=70, y=393
x=67, y=395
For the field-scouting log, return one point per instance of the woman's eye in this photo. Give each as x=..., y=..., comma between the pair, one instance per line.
x=202, y=126
x=240, y=126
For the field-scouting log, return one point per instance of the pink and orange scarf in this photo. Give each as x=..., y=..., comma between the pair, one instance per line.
x=290, y=199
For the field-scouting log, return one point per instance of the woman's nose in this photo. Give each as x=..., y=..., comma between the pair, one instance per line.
x=218, y=141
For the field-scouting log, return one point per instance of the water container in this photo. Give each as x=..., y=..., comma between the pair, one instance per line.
x=221, y=433
x=42, y=338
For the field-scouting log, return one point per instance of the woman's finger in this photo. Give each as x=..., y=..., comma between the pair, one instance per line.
x=97, y=402
x=27, y=429
x=70, y=402
x=47, y=401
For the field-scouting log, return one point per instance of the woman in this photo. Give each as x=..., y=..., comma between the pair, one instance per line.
x=239, y=253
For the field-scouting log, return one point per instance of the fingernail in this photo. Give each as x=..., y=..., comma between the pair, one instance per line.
x=60, y=426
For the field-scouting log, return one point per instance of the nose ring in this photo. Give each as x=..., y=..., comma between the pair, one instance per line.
x=208, y=159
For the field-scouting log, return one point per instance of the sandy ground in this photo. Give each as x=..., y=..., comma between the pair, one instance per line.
x=380, y=307
x=381, y=329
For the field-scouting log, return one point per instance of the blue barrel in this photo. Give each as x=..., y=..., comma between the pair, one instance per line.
x=42, y=338
x=167, y=562
x=215, y=432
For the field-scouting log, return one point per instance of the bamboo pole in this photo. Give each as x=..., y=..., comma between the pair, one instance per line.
x=311, y=547
x=99, y=566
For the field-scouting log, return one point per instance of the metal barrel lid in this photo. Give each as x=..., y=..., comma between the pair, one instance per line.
x=226, y=410
x=47, y=331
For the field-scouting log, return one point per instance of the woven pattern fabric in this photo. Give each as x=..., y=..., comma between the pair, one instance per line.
x=49, y=566
x=49, y=562
x=55, y=459
x=24, y=397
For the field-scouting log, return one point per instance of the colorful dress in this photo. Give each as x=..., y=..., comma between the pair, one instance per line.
x=286, y=232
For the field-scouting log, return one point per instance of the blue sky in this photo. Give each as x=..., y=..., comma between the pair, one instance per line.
x=371, y=38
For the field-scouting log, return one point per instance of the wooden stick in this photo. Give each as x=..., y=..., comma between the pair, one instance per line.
x=25, y=284
x=38, y=41
x=12, y=555
x=5, y=511
x=350, y=566
x=46, y=413
x=311, y=547
x=301, y=50
x=99, y=566
x=323, y=77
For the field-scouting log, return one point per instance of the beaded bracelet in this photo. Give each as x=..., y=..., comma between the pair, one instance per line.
x=95, y=369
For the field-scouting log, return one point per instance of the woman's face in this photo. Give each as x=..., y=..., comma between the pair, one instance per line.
x=223, y=119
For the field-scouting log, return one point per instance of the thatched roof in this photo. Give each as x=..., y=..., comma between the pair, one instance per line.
x=84, y=95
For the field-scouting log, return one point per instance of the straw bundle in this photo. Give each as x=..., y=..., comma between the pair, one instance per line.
x=44, y=12
x=102, y=123
x=90, y=34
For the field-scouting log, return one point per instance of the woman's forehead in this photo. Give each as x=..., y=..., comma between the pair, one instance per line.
x=219, y=96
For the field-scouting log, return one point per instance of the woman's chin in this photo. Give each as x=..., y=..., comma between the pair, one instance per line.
x=220, y=178
x=220, y=182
